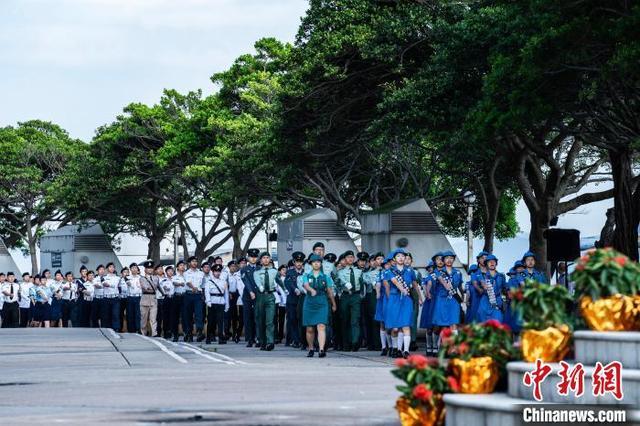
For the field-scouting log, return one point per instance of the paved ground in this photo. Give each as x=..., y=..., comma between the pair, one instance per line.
x=95, y=376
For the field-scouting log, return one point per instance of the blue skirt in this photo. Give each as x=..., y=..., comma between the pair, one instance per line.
x=446, y=311
x=426, y=317
x=380, y=304
x=56, y=309
x=398, y=311
x=41, y=312
x=512, y=318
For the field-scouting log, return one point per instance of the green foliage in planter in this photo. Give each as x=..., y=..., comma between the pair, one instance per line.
x=606, y=272
x=542, y=305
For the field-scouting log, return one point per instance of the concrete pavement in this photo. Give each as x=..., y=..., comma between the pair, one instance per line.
x=97, y=376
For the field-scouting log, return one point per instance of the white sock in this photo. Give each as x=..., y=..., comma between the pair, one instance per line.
x=394, y=342
x=383, y=339
x=407, y=342
x=400, y=341
x=389, y=341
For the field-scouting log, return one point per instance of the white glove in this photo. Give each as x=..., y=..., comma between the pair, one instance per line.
x=348, y=286
x=209, y=305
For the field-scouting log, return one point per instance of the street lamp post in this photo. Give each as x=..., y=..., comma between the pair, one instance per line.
x=469, y=198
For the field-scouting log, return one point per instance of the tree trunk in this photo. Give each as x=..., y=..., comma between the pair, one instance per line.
x=537, y=242
x=153, y=249
x=490, y=220
x=236, y=236
x=31, y=238
x=625, y=235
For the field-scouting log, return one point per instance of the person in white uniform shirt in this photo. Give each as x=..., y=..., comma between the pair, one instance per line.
x=87, y=292
x=98, y=296
x=110, y=317
x=193, y=301
x=133, y=300
x=83, y=308
x=10, y=310
x=40, y=296
x=69, y=290
x=123, y=289
x=216, y=296
x=281, y=304
x=24, y=301
x=56, y=300
x=166, y=284
x=179, y=288
x=231, y=274
x=3, y=278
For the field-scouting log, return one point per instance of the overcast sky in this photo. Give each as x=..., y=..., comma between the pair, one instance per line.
x=78, y=62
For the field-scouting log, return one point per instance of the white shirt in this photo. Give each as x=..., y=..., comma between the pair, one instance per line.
x=135, y=289
x=56, y=289
x=11, y=297
x=110, y=286
x=25, y=289
x=166, y=284
x=281, y=294
x=123, y=288
x=69, y=290
x=234, y=280
x=240, y=284
x=179, y=283
x=195, y=277
x=215, y=291
x=98, y=291
x=90, y=290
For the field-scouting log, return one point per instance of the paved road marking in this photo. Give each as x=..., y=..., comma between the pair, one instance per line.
x=227, y=358
x=114, y=345
x=164, y=349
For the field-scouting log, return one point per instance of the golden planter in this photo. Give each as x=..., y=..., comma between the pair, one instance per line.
x=614, y=313
x=548, y=345
x=478, y=375
x=422, y=415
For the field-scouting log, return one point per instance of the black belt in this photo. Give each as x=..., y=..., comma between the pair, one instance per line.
x=146, y=292
x=216, y=294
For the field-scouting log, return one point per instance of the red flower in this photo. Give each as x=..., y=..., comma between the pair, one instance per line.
x=433, y=361
x=580, y=267
x=493, y=323
x=401, y=362
x=621, y=260
x=445, y=333
x=422, y=393
x=418, y=361
x=453, y=383
x=519, y=295
x=505, y=327
x=463, y=348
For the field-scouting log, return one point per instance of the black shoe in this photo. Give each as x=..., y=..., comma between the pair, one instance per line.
x=175, y=338
x=222, y=342
x=295, y=345
x=398, y=354
x=393, y=353
x=263, y=347
x=322, y=354
x=187, y=338
x=270, y=346
x=413, y=347
x=384, y=352
x=405, y=355
x=200, y=337
x=310, y=354
x=236, y=339
x=355, y=349
x=249, y=344
x=207, y=342
x=302, y=348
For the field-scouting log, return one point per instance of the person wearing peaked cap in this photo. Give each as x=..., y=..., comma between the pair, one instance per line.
x=491, y=303
x=318, y=245
x=10, y=290
x=216, y=293
x=319, y=289
x=110, y=313
x=530, y=272
x=350, y=288
x=178, y=300
x=148, y=302
x=294, y=296
x=249, y=297
x=83, y=307
x=193, y=302
x=233, y=317
x=265, y=281
x=331, y=257
x=363, y=258
x=168, y=293
x=447, y=293
x=56, y=300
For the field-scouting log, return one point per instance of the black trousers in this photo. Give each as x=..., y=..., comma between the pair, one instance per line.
x=110, y=317
x=176, y=312
x=249, y=318
x=293, y=325
x=164, y=318
x=66, y=312
x=25, y=316
x=10, y=315
x=160, y=324
x=281, y=313
x=96, y=307
x=231, y=317
x=215, y=320
x=123, y=313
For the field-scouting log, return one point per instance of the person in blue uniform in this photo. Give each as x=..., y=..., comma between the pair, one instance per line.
x=293, y=296
x=472, y=296
x=416, y=297
x=249, y=297
x=398, y=281
x=381, y=298
x=315, y=313
x=490, y=286
x=428, y=285
x=530, y=272
x=516, y=280
x=446, y=311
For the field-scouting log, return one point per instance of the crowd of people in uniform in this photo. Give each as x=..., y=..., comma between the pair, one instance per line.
x=314, y=302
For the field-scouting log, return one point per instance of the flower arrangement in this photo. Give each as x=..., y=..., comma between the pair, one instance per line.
x=606, y=272
x=490, y=338
x=423, y=379
x=542, y=305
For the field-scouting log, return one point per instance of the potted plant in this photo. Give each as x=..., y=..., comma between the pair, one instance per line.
x=478, y=352
x=425, y=381
x=607, y=283
x=544, y=311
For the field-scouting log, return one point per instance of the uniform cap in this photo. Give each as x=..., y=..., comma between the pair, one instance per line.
x=438, y=254
x=147, y=264
x=348, y=253
x=363, y=255
x=315, y=258
x=482, y=253
x=298, y=256
x=318, y=244
x=253, y=252
x=473, y=268
x=192, y=258
x=528, y=254
x=448, y=253
x=491, y=257
x=512, y=272
x=264, y=253
x=242, y=259
x=518, y=264
x=330, y=257
x=396, y=252
x=232, y=262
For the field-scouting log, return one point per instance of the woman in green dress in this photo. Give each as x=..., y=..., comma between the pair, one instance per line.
x=315, y=311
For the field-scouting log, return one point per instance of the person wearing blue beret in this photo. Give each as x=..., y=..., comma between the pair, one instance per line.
x=448, y=295
x=490, y=288
x=530, y=272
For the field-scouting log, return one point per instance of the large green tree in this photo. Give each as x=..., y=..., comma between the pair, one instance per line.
x=34, y=155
